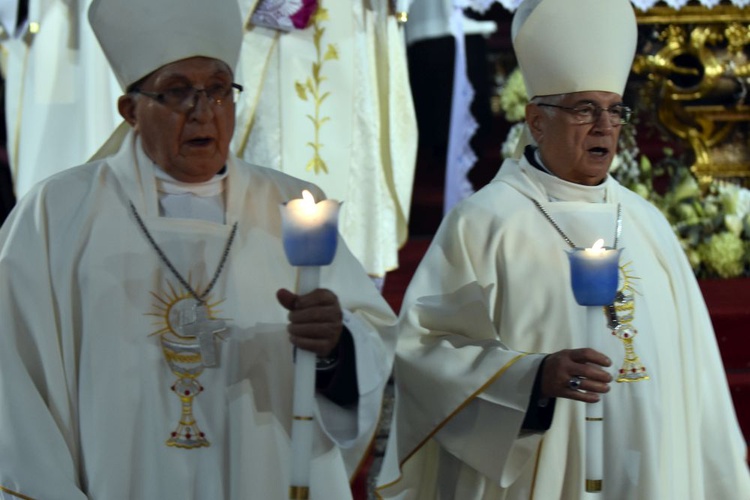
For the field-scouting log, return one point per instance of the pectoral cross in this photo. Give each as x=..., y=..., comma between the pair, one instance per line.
x=195, y=322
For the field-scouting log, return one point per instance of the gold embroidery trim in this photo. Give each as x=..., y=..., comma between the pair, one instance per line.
x=312, y=87
x=536, y=467
x=299, y=493
x=184, y=359
x=302, y=418
x=445, y=421
x=15, y=493
x=593, y=485
x=632, y=369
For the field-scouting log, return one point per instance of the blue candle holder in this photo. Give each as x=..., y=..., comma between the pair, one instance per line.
x=594, y=275
x=310, y=231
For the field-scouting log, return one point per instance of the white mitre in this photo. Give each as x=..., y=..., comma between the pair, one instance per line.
x=565, y=46
x=140, y=36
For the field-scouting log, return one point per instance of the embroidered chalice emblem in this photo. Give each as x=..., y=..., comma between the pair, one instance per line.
x=621, y=315
x=187, y=340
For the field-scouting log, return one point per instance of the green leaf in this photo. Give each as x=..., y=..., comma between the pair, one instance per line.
x=316, y=71
x=331, y=53
x=300, y=91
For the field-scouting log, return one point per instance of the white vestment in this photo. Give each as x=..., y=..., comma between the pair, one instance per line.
x=88, y=396
x=60, y=93
x=492, y=292
x=338, y=88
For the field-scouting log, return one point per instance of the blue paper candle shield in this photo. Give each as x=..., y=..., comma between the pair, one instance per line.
x=310, y=230
x=594, y=274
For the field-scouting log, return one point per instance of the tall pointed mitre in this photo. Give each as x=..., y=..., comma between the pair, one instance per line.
x=565, y=46
x=140, y=36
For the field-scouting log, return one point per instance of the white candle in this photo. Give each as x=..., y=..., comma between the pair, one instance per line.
x=594, y=446
x=303, y=423
x=310, y=235
x=594, y=427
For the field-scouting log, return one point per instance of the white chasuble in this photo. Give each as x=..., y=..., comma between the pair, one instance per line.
x=107, y=391
x=331, y=104
x=493, y=294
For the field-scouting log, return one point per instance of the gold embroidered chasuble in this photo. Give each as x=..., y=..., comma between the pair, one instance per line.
x=495, y=284
x=90, y=400
x=332, y=104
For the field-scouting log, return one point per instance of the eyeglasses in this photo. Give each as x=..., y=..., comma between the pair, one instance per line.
x=181, y=99
x=590, y=113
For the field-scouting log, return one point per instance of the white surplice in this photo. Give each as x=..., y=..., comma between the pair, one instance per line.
x=492, y=293
x=87, y=394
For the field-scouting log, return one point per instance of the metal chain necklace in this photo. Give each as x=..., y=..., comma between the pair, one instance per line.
x=200, y=298
x=618, y=224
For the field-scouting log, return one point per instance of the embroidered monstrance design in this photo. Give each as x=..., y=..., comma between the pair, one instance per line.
x=620, y=318
x=187, y=334
x=620, y=313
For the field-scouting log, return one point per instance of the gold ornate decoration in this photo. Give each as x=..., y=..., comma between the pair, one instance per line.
x=299, y=493
x=312, y=87
x=593, y=485
x=179, y=317
x=632, y=370
x=695, y=64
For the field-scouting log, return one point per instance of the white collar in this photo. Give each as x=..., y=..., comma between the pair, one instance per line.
x=561, y=190
x=167, y=184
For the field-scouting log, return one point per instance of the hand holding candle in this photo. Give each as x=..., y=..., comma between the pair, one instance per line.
x=310, y=235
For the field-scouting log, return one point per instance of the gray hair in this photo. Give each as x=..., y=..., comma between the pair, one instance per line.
x=554, y=99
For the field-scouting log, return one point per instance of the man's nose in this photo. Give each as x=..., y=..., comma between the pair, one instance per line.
x=202, y=107
x=602, y=121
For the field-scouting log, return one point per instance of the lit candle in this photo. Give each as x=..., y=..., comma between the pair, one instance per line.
x=594, y=274
x=310, y=230
x=310, y=234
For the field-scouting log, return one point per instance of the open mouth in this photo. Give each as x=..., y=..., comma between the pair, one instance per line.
x=599, y=151
x=199, y=141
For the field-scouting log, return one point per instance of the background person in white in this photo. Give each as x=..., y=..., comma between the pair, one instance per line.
x=354, y=114
x=107, y=268
x=60, y=93
x=493, y=294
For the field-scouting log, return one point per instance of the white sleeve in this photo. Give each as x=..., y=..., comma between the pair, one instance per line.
x=344, y=426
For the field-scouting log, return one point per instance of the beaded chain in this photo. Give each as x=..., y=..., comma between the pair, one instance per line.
x=200, y=298
x=618, y=225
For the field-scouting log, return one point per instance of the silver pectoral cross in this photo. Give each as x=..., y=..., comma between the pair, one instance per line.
x=196, y=323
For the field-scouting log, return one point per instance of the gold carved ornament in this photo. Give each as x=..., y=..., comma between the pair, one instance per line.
x=696, y=75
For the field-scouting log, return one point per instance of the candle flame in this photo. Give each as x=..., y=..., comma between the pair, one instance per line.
x=598, y=245
x=308, y=197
